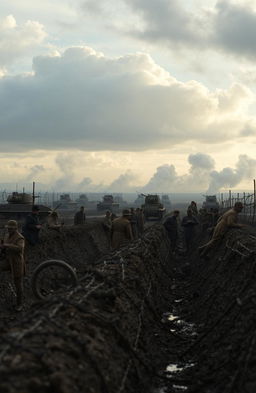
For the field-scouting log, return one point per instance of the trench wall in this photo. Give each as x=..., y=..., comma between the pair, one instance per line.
x=222, y=305
x=99, y=337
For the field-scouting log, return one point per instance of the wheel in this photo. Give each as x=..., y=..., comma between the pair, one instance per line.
x=52, y=276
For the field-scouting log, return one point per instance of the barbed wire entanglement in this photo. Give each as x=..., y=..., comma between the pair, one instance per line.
x=92, y=339
x=249, y=202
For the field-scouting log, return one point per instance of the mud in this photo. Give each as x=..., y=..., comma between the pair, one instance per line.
x=149, y=322
x=100, y=336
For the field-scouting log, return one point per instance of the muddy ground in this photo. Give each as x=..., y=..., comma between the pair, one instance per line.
x=151, y=322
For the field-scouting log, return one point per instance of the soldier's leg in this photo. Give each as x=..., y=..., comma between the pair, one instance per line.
x=18, y=274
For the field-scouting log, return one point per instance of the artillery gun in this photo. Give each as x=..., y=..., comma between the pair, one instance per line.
x=153, y=207
x=108, y=203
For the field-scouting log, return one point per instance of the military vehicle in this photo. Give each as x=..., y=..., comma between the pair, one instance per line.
x=82, y=200
x=210, y=203
x=19, y=205
x=65, y=202
x=108, y=203
x=152, y=207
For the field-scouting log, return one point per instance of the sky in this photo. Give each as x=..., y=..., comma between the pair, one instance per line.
x=128, y=95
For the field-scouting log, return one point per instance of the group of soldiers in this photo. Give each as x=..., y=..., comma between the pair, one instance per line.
x=121, y=230
x=188, y=224
x=14, y=246
x=216, y=223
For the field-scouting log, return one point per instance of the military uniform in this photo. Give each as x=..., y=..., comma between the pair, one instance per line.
x=121, y=232
x=226, y=221
x=79, y=218
x=14, y=251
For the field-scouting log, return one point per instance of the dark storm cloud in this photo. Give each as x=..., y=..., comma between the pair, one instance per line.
x=228, y=26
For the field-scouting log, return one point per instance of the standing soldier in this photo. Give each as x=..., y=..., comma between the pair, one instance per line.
x=134, y=223
x=140, y=220
x=171, y=226
x=53, y=221
x=121, y=230
x=79, y=218
x=193, y=208
x=13, y=246
x=227, y=221
x=189, y=223
x=107, y=225
x=32, y=226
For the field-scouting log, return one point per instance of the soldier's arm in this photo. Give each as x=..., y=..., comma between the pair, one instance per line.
x=231, y=222
x=15, y=247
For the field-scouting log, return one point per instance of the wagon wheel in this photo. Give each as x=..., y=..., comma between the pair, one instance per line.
x=52, y=276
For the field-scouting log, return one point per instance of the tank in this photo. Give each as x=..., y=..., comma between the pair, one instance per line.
x=210, y=203
x=19, y=205
x=108, y=203
x=153, y=208
x=82, y=200
x=65, y=202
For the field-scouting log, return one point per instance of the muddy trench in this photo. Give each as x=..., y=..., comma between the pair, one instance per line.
x=149, y=322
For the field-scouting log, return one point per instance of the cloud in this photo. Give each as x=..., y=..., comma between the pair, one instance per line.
x=17, y=41
x=227, y=26
x=124, y=181
x=35, y=170
x=231, y=177
x=83, y=99
x=201, y=176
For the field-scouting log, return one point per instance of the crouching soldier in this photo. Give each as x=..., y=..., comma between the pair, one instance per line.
x=13, y=248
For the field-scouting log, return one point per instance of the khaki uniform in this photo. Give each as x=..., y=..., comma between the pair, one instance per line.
x=14, y=261
x=121, y=232
x=53, y=222
x=226, y=221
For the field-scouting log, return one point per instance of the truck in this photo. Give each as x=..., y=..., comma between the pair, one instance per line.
x=108, y=203
x=153, y=207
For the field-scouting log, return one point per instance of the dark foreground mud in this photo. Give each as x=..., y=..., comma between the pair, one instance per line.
x=100, y=336
x=218, y=304
x=151, y=322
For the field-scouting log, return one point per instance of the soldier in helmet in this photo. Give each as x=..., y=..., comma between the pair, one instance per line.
x=13, y=247
x=121, y=230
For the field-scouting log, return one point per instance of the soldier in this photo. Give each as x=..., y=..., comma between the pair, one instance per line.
x=79, y=218
x=53, y=221
x=193, y=208
x=140, y=220
x=134, y=223
x=32, y=226
x=13, y=247
x=107, y=225
x=226, y=221
x=171, y=225
x=189, y=223
x=121, y=230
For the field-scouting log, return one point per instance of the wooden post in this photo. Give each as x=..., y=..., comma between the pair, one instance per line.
x=254, y=200
x=33, y=195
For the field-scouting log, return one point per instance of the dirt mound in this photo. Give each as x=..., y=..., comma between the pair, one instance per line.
x=98, y=337
x=221, y=295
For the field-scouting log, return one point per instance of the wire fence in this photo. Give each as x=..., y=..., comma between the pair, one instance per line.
x=248, y=214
